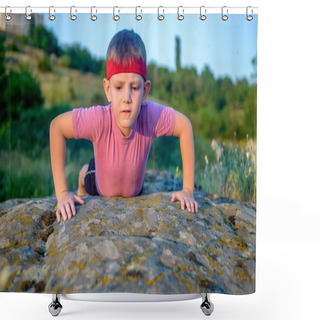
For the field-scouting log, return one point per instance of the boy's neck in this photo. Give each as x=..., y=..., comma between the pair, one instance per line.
x=125, y=132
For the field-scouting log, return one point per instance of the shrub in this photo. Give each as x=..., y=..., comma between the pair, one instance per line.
x=65, y=61
x=22, y=92
x=44, y=64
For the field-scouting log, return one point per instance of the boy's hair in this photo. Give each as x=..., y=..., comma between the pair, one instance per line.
x=125, y=46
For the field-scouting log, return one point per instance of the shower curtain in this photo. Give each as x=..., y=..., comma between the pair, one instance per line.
x=204, y=67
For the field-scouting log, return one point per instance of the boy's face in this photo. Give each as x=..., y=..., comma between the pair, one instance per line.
x=126, y=91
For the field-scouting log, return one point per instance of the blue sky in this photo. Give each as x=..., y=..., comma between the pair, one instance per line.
x=226, y=46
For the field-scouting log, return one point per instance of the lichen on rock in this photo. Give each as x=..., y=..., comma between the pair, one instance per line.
x=144, y=244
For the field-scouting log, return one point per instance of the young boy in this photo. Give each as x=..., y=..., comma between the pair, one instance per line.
x=121, y=133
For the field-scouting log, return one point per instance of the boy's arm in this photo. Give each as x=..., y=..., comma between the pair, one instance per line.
x=61, y=128
x=183, y=130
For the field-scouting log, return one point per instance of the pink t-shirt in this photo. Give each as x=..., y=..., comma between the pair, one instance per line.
x=121, y=161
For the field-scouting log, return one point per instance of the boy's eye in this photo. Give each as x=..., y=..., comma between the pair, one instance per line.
x=119, y=87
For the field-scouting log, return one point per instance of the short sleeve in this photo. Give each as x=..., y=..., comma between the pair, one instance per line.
x=162, y=119
x=88, y=123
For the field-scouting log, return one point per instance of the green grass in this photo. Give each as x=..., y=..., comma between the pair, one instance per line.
x=228, y=170
x=24, y=176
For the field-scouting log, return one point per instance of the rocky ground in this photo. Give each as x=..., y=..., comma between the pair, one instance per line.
x=144, y=244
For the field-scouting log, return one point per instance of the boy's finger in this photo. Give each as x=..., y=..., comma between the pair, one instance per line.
x=73, y=208
x=68, y=209
x=63, y=213
x=196, y=205
x=58, y=216
x=192, y=207
x=174, y=197
x=188, y=205
x=182, y=204
x=78, y=200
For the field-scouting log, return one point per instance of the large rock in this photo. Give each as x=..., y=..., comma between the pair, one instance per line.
x=144, y=244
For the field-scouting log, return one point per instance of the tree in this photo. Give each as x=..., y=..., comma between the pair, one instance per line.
x=22, y=92
x=81, y=59
x=3, y=77
x=19, y=90
x=44, y=39
x=178, y=53
x=254, y=65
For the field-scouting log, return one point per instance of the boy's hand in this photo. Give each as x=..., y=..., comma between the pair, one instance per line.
x=186, y=198
x=66, y=206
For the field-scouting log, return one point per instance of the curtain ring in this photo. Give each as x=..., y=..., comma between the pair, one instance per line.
x=160, y=16
x=224, y=16
x=203, y=15
x=51, y=16
x=27, y=15
x=7, y=16
x=180, y=16
x=93, y=17
x=249, y=17
x=116, y=17
x=73, y=17
x=138, y=16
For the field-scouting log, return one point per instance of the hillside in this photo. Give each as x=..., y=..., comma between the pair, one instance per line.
x=60, y=85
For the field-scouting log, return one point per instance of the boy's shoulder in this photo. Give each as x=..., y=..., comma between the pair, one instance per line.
x=150, y=106
x=93, y=113
x=93, y=109
x=97, y=111
x=152, y=112
x=149, y=110
x=158, y=118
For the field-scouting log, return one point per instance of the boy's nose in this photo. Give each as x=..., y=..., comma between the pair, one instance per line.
x=127, y=96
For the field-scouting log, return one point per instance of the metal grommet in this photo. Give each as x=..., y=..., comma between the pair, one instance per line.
x=224, y=16
x=180, y=15
x=73, y=17
x=203, y=15
x=51, y=16
x=138, y=16
x=160, y=16
x=93, y=17
x=248, y=16
x=116, y=17
x=7, y=16
x=27, y=15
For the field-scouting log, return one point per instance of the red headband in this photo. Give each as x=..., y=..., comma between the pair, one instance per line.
x=133, y=66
